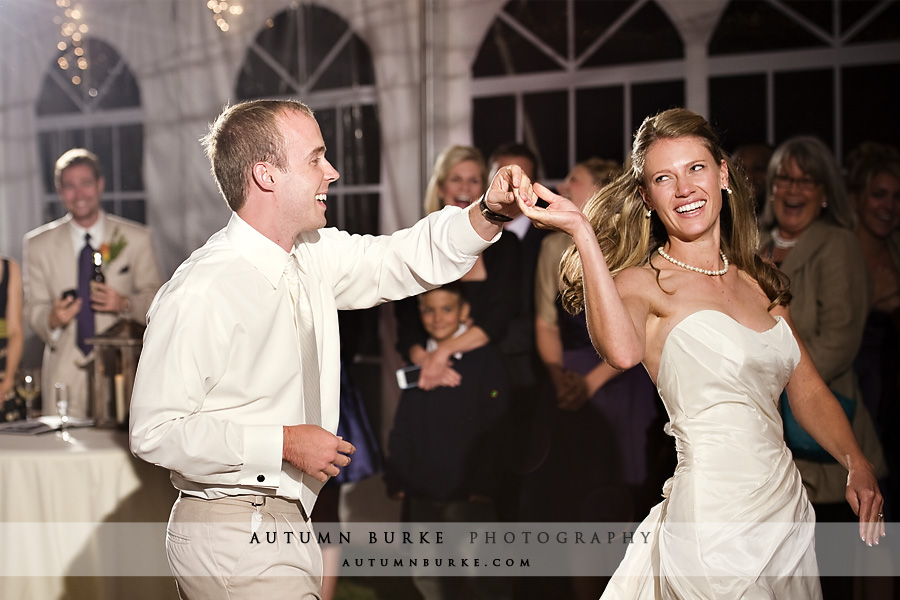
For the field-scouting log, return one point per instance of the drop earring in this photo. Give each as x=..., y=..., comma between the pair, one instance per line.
x=649, y=213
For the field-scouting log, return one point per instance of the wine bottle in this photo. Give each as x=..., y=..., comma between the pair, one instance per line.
x=98, y=268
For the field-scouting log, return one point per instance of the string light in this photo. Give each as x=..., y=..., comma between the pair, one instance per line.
x=222, y=10
x=72, y=29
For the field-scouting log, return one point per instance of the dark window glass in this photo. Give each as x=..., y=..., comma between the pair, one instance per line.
x=885, y=27
x=648, y=36
x=505, y=52
x=136, y=210
x=546, y=114
x=54, y=99
x=650, y=98
x=749, y=26
x=53, y=210
x=599, y=113
x=804, y=105
x=360, y=214
x=362, y=143
x=737, y=107
x=351, y=67
x=594, y=18
x=493, y=122
x=258, y=79
x=546, y=19
x=105, y=83
x=863, y=118
x=327, y=120
x=819, y=12
x=131, y=157
x=298, y=41
x=852, y=12
x=124, y=91
x=100, y=142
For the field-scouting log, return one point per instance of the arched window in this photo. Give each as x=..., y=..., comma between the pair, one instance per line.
x=780, y=68
x=310, y=53
x=99, y=108
x=548, y=73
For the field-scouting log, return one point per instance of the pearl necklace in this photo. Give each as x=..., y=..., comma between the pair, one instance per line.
x=674, y=261
x=780, y=242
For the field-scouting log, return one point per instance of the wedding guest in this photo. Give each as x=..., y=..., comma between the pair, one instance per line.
x=12, y=335
x=753, y=159
x=65, y=303
x=442, y=456
x=873, y=181
x=492, y=286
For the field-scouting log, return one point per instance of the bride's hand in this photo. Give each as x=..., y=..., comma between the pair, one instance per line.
x=866, y=501
x=559, y=214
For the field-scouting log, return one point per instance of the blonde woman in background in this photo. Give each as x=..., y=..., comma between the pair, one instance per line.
x=491, y=287
x=873, y=181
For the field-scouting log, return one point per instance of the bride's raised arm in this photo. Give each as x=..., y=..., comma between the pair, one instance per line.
x=616, y=313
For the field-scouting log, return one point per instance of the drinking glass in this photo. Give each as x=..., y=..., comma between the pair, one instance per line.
x=29, y=387
x=62, y=406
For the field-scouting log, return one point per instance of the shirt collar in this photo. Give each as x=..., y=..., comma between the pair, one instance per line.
x=96, y=231
x=261, y=252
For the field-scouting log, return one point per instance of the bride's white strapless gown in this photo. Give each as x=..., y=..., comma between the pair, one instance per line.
x=736, y=521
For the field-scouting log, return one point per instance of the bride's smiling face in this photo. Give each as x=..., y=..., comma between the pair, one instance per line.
x=683, y=184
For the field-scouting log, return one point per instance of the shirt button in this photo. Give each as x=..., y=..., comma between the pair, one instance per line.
x=260, y=478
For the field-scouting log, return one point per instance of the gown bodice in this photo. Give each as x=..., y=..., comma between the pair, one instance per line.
x=736, y=521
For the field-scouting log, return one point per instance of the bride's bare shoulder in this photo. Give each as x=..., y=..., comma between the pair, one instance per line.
x=636, y=279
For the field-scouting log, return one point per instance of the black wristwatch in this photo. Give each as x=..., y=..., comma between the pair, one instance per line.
x=491, y=215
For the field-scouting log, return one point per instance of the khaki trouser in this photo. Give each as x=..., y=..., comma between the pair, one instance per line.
x=243, y=547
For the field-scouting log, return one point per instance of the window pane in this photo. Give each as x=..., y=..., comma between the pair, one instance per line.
x=99, y=141
x=493, y=122
x=53, y=100
x=648, y=36
x=650, y=98
x=546, y=113
x=883, y=28
x=327, y=119
x=546, y=19
x=599, y=113
x=360, y=213
x=351, y=67
x=871, y=100
x=122, y=93
x=362, y=145
x=258, y=80
x=749, y=26
x=505, y=52
x=804, y=105
x=593, y=19
x=737, y=107
x=131, y=157
x=136, y=210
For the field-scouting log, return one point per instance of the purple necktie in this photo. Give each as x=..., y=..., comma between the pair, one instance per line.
x=86, y=315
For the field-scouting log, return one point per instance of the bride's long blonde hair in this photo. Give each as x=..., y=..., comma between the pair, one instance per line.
x=628, y=238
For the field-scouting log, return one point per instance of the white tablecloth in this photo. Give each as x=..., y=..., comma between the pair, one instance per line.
x=81, y=519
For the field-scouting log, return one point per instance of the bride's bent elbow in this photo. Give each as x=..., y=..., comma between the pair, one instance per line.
x=622, y=360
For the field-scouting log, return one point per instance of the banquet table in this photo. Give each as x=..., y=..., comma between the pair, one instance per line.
x=81, y=518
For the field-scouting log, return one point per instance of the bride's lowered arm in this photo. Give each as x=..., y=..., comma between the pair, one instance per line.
x=616, y=316
x=820, y=414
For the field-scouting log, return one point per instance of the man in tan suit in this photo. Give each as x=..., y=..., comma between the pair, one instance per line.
x=51, y=266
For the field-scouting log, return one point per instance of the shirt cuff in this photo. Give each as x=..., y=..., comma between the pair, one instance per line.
x=263, y=449
x=464, y=235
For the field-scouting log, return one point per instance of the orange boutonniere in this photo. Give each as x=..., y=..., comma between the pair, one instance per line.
x=110, y=250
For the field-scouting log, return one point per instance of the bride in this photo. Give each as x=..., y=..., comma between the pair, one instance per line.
x=664, y=264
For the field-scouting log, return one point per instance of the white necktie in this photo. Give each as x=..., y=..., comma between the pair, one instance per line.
x=309, y=360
